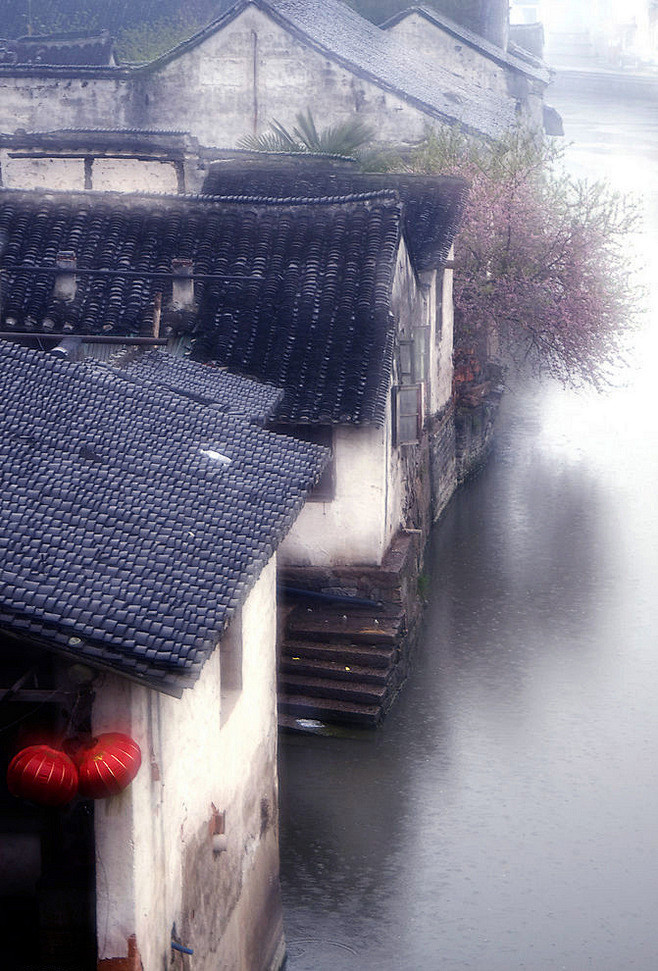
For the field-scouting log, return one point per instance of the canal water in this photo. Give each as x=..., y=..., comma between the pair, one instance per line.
x=506, y=815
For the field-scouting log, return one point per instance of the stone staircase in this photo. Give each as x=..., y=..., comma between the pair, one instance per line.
x=344, y=640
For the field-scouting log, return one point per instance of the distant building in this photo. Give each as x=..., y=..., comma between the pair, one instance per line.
x=602, y=32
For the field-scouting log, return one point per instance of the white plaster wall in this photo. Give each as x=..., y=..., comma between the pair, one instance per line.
x=437, y=45
x=445, y=343
x=409, y=298
x=235, y=82
x=42, y=103
x=42, y=173
x=352, y=527
x=133, y=175
x=253, y=71
x=68, y=174
x=189, y=762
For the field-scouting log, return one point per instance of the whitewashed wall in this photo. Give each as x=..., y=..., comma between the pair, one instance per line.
x=353, y=527
x=444, y=334
x=430, y=41
x=437, y=46
x=155, y=861
x=254, y=71
x=68, y=174
x=233, y=83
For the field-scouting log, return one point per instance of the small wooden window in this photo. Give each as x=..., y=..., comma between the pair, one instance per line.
x=421, y=353
x=406, y=353
x=407, y=413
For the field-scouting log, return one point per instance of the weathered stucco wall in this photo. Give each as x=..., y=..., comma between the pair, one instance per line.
x=428, y=40
x=253, y=71
x=40, y=102
x=233, y=83
x=67, y=175
x=438, y=46
x=352, y=527
x=444, y=331
x=155, y=859
x=21, y=171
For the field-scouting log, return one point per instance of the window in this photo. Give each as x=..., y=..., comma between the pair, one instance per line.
x=407, y=413
x=421, y=353
x=230, y=667
x=412, y=356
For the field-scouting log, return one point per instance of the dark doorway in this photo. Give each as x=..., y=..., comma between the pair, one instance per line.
x=47, y=860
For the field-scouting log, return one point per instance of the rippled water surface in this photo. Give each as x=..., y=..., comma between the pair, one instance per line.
x=505, y=816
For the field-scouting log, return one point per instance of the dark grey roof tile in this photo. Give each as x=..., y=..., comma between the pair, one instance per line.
x=294, y=293
x=152, y=605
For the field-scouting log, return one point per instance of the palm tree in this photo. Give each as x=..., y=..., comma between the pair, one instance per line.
x=347, y=138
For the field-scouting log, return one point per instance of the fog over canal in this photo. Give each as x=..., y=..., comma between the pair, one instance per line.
x=506, y=814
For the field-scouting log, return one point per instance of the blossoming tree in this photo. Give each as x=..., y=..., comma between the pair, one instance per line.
x=542, y=269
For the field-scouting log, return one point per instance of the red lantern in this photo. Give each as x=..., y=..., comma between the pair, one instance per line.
x=43, y=774
x=107, y=765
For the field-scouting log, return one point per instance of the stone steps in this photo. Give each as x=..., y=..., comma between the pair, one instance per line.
x=345, y=653
x=329, y=710
x=337, y=667
x=363, y=692
x=342, y=660
x=320, y=668
x=359, y=626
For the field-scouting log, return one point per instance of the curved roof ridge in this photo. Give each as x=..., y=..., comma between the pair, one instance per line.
x=390, y=195
x=470, y=37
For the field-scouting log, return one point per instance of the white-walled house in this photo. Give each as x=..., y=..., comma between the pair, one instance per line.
x=141, y=511
x=261, y=60
x=301, y=273
x=371, y=343
x=508, y=70
x=392, y=270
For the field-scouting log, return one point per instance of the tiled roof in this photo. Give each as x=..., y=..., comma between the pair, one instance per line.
x=336, y=29
x=133, y=521
x=338, y=32
x=508, y=58
x=66, y=49
x=309, y=310
x=205, y=384
x=432, y=205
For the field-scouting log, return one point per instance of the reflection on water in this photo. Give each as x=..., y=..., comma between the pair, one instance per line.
x=505, y=815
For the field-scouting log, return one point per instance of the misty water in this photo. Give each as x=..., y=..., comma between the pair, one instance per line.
x=505, y=815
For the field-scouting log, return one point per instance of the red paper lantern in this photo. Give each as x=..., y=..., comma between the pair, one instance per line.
x=107, y=765
x=43, y=774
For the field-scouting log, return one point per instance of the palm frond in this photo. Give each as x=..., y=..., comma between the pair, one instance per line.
x=347, y=138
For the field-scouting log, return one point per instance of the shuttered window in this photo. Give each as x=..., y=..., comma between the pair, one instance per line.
x=407, y=413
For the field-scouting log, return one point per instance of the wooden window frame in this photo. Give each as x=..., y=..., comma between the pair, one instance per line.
x=402, y=412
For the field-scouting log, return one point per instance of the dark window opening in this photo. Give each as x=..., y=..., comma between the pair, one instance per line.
x=47, y=855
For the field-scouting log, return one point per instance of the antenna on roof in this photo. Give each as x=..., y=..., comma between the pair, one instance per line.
x=29, y=18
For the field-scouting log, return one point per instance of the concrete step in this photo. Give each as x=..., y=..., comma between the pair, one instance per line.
x=364, y=655
x=359, y=691
x=362, y=627
x=327, y=710
x=312, y=667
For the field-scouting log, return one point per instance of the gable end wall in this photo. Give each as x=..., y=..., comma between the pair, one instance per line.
x=233, y=83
